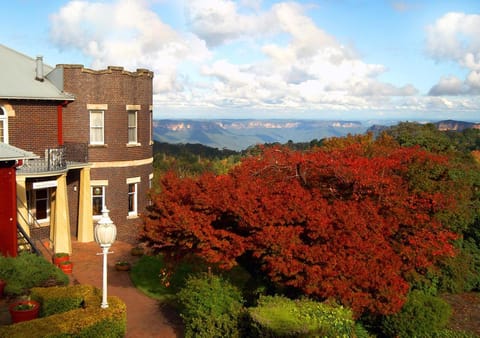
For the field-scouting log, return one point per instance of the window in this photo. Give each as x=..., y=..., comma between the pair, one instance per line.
x=3, y=125
x=132, y=126
x=96, y=127
x=132, y=199
x=98, y=200
x=151, y=127
x=150, y=185
x=39, y=205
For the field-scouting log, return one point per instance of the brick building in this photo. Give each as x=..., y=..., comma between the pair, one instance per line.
x=92, y=132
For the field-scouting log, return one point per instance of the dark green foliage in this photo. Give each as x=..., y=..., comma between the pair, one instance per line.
x=27, y=271
x=192, y=159
x=462, y=272
x=427, y=136
x=189, y=149
x=210, y=307
x=277, y=316
x=421, y=315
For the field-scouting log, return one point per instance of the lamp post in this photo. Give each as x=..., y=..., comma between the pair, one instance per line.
x=105, y=234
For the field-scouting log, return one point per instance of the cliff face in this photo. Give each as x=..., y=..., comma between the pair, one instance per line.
x=240, y=134
x=456, y=125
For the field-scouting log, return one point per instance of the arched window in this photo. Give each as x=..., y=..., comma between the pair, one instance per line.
x=3, y=125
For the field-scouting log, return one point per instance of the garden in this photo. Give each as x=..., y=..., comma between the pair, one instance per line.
x=42, y=304
x=356, y=236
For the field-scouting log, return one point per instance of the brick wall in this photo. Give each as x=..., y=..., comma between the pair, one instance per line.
x=34, y=126
x=117, y=89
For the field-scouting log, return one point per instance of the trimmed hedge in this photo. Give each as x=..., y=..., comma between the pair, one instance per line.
x=88, y=321
x=56, y=300
x=278, y=316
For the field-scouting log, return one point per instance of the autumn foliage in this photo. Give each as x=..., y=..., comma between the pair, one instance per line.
x=345, y=221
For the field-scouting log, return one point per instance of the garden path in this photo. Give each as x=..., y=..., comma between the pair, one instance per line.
x=145, y=317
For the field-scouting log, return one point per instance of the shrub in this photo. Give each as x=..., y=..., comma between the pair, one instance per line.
x=277, y=316
x=421, y=315
x=90, y=320
x=210, y=307
x=60, y=299
x=27, y=271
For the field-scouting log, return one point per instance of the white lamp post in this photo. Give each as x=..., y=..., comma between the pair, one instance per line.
x=105, y=234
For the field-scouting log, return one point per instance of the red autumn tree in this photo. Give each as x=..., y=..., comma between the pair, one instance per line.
x=341, y=222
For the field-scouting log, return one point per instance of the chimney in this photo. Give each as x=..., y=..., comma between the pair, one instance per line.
x=39, y=69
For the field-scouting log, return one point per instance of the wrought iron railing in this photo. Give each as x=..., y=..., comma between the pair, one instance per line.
x=57, y=159
x=39, y=238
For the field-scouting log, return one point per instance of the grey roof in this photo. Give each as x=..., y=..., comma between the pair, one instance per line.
x=17, y=74
x=8, y=153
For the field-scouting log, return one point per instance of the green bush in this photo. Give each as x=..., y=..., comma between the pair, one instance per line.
x=59, y=299
x=421, y=315
x=277, y=316
x=90, y=320
x=210, y=307
x=27, y=271
x=462, y=272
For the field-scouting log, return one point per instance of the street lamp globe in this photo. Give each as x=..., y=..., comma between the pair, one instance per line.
x=105, y=230
x=105, y=234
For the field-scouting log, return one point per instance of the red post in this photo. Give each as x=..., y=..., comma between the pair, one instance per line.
x=8, y=211
x=60, y=124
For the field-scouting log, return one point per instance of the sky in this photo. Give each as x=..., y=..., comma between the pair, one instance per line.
x=312, y=59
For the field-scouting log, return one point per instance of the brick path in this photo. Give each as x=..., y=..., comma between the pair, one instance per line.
x=145, y=317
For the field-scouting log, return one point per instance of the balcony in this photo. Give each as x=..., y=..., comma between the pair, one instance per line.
x=57, y=159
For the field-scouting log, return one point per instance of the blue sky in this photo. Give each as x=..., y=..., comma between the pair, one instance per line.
x=325, y=59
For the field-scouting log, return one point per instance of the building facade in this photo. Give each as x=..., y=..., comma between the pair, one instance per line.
x=116, y=107
x=92, y=133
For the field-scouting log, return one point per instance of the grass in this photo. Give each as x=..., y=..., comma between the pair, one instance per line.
x=151, y=276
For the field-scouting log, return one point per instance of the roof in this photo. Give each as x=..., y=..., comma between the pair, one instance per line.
x=8, y=153
x=18, y=73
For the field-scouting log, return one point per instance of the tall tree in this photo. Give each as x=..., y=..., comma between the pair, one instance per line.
x=342, y=222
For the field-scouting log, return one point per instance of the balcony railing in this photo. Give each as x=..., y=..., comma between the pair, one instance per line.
x=57, y=159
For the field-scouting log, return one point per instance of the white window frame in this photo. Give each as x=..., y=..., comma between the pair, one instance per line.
x=102, y=127
x=4, y=123
x=134, y=128
x=133, y=181
x=133, y=194
x=103, y=196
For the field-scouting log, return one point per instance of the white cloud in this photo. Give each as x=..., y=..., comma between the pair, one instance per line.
x=448, y=86
x=219, y=21
x=456, y=37
x=291, y=64
x=126, y=33
x=307, y=68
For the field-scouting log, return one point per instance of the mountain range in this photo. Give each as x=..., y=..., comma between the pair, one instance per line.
x=237, y=135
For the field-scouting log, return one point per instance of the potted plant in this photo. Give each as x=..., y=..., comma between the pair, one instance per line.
x=24, y=310
x=60, y=257
x=66, y=266
x=122, y=266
